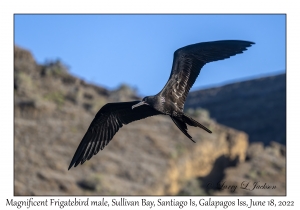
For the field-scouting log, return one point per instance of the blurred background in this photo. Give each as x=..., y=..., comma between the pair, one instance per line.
x=66, y=67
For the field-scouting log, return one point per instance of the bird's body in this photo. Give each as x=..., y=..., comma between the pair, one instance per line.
x=187, y=64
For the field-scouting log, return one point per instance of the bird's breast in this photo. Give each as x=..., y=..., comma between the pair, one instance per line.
x=170, y=108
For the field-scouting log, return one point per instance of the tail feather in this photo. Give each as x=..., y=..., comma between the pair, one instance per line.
x=190, y=121
x=182, y=126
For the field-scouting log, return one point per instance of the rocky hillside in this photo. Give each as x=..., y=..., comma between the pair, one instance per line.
x=263, y=168
x=263, y=173
x=257, y=107
x=52, y=111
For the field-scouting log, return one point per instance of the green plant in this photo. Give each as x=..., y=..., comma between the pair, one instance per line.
x=56, y=97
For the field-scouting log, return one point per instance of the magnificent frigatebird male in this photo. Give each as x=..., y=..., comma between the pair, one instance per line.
x=187, y=63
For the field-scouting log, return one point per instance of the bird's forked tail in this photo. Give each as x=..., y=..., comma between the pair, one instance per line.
x=190, y=121
x=181, y=124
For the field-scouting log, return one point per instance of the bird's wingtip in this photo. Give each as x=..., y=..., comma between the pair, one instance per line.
x=241, y=41
x=71, y=165
x=251, y=43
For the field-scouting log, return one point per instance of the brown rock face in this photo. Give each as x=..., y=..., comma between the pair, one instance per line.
x=263, y=173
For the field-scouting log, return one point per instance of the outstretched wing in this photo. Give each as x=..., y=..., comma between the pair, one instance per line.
x=109, y=119
x=188, y=61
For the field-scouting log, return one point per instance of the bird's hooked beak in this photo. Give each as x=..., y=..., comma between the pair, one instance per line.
x=139, y=104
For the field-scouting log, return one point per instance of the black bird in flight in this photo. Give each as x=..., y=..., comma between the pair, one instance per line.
x=187, y=63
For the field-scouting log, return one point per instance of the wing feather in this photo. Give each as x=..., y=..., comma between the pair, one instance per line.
x=98, y=144
x=109, y=119
x=188, y=62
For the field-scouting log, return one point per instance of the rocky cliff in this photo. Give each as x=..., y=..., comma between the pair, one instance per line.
x=53, y=109
x=257, y=107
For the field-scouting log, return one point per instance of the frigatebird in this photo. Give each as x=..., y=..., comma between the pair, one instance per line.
x=187, y=63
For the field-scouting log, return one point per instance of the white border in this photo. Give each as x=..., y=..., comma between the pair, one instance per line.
x=8, y=8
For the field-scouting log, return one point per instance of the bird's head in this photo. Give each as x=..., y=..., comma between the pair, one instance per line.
x=146, y=101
